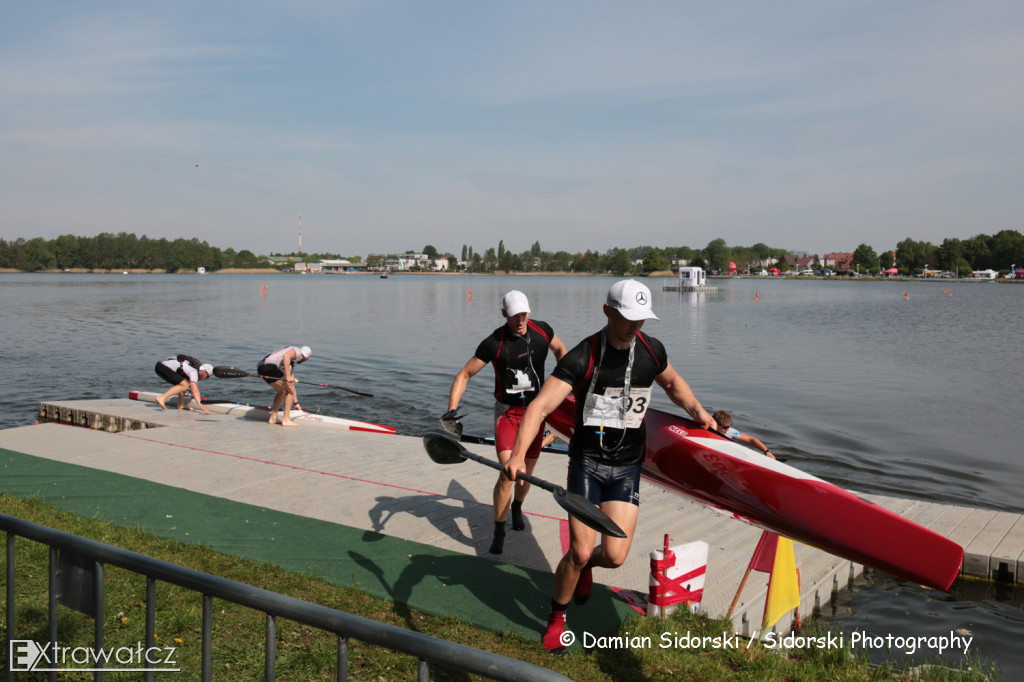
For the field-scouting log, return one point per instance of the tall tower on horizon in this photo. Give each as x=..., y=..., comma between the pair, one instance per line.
x=300, y=234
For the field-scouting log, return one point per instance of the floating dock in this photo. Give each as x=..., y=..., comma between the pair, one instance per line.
x=699, y=288
x=691, y=279
x=385, y=484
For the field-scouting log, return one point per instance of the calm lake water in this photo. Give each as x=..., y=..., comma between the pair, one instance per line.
x=912, y=395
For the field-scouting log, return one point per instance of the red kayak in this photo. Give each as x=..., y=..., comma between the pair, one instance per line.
x=728, y=477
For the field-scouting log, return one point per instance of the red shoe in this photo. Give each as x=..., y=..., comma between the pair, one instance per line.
x=584, y=586
x=554, y=636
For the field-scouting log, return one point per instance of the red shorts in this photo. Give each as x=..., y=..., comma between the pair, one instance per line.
x=507, y=426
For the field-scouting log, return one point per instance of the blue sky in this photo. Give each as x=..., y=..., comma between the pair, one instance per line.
x=389, y=125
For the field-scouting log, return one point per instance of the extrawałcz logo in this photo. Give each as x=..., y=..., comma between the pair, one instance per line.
x=26, y=655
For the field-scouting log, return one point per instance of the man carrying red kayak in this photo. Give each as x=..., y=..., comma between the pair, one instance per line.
x=611, y=374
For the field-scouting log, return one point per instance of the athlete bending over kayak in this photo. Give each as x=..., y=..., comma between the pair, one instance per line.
x=518, y=350
x=611, y=374
x=276, y=370
x=184, y=373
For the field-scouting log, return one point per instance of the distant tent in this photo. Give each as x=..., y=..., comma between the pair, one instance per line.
x=775, y=272
x=1019, y=274
x=891, y=271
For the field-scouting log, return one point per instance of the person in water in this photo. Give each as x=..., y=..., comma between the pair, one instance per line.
x=184, y=373
x=724, y=421
x=517, y=350
x=611, y=374
x=276, y=369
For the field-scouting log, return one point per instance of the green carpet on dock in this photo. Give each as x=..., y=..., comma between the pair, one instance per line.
x=485, y=593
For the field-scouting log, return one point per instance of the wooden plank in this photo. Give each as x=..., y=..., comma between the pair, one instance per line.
x=971, y=524
x=1007, y=559
x=978, y=551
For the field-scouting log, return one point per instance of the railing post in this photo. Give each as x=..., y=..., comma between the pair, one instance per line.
x=207, y=638
x=342, y=659
x=98, y=617
x=10, y=598
x=270, y=649
x=52, y=603
x=150, y=623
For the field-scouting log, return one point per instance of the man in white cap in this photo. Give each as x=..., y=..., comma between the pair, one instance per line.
x=518, y=350
x=276, y=370
x=611, y=374
x=184, y=373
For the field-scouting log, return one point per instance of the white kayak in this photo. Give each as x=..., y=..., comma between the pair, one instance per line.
x=263, y=413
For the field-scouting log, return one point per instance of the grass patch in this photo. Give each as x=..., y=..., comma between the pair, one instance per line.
x=305, y=653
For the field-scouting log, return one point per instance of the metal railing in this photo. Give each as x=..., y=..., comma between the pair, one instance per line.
x=79, y=562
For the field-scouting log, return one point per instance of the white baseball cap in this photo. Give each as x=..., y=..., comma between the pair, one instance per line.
x=206, y=368
x=632, y=299
x=306, y=352
x=514, y=303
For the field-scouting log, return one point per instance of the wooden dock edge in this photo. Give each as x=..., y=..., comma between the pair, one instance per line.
x=92, y=419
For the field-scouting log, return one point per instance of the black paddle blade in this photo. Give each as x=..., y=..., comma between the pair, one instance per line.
x=445, y=450
x=584, y=511
x=442, y=449
x=222, y=372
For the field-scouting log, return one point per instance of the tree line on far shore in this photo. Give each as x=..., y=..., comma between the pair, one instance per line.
x=122, y=251
x=108, y=251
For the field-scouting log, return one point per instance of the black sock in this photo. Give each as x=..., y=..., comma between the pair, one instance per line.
x=498, y=543
x=517, y=516
x=555, y=606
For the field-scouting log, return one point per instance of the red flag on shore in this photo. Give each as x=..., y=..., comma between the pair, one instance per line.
x=774, y=556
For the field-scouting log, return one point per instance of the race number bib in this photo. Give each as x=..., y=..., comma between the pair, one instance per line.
x=518, y=382
x=611, y=412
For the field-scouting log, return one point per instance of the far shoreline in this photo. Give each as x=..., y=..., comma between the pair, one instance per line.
x=658, y=274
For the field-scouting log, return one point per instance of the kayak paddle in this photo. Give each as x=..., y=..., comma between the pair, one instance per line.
x=223, y=372
x=443, y=449
x=488, y=440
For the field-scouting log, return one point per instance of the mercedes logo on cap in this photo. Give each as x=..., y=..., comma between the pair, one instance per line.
x=641, y=298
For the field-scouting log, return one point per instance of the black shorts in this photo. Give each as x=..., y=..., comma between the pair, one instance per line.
x=604, y=482
x=270, y=373
x=168, y=374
